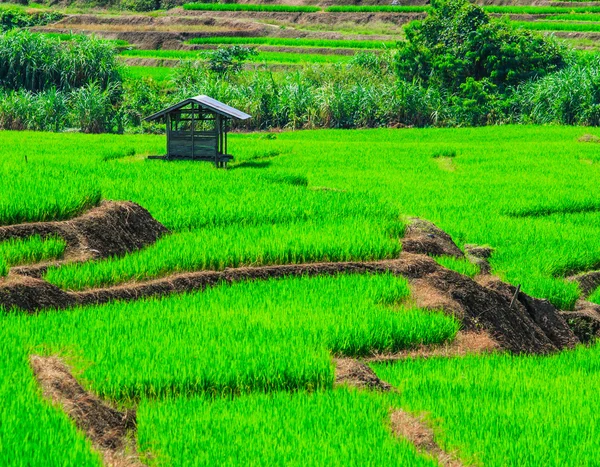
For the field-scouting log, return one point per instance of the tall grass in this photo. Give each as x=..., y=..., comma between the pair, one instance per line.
x=37, y=62
x=249, y=7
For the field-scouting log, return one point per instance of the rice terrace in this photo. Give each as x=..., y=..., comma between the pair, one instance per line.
x=300, y=232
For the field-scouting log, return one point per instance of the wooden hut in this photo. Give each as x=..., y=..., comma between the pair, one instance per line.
x=197, y=129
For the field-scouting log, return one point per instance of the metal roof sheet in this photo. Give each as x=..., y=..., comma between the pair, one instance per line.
x=206, y=102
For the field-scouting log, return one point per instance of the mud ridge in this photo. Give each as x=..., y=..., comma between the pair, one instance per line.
x=418, y=433
x=111, y=431
x=515, y=321
x=111, y=229
x=352, y=372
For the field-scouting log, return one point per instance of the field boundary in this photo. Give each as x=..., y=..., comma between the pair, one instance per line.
x=111, y=432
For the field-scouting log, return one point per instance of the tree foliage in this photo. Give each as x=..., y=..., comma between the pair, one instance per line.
x=458, y=43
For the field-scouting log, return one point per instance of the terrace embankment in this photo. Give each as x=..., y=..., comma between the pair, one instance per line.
x=111, y=229
x=516, y=321
x=111, y=431
x=177, y=26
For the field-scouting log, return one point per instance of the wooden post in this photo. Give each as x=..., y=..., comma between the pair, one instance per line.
x=168, y=136
x=225, y=136
x=217, y=123
x=193, y=130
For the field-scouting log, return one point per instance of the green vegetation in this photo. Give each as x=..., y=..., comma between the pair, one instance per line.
x=249, y=7
x=36, y=62
x=492, y=409
x=268, y=57
x=292, y=42
x=462, y=266
x=377, y=9
x=31, y=250
x=233, y=339
x=556, y=26
x=339, y=427
x=12, y=17
x=221, y=247
x=541, y=227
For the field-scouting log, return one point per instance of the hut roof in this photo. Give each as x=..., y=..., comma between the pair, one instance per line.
x=206, y=102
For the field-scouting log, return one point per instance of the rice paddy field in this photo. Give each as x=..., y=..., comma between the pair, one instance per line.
x=242, y=373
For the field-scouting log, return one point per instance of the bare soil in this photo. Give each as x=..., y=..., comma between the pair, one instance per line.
x=111, y=431
x=466, y=343
x=352, y=372
x=417, y=432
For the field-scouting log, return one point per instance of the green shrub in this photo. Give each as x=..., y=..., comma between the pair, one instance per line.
x=458, y=41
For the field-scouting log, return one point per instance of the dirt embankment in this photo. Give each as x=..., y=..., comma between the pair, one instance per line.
x=112, y=432
x=516, y=321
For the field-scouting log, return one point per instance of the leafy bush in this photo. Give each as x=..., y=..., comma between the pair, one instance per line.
x=458, y=41
x=11, y=18
x=229, y=59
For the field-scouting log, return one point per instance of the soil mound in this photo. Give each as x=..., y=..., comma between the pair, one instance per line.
x=587, y=138
x=111, y=229
x=479, y=256
x=106, y=427
x=355, y=373
x=584, y=321
x=30, y=294
x=588, y=281
x=424, y=237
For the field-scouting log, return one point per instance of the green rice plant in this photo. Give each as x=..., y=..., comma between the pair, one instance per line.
x=247, y=336
x=34, y=432
x=540, y=10
x=377, y=9
x=577, y=17
x=340, y=427
x=462, y=266
x=293, y=42
x=249, y=7
x=222, y=247
x=491, y=410
x=34, y=249
x=3, y=268
x=556, y=26
x=268, y=57
x=595, y=296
